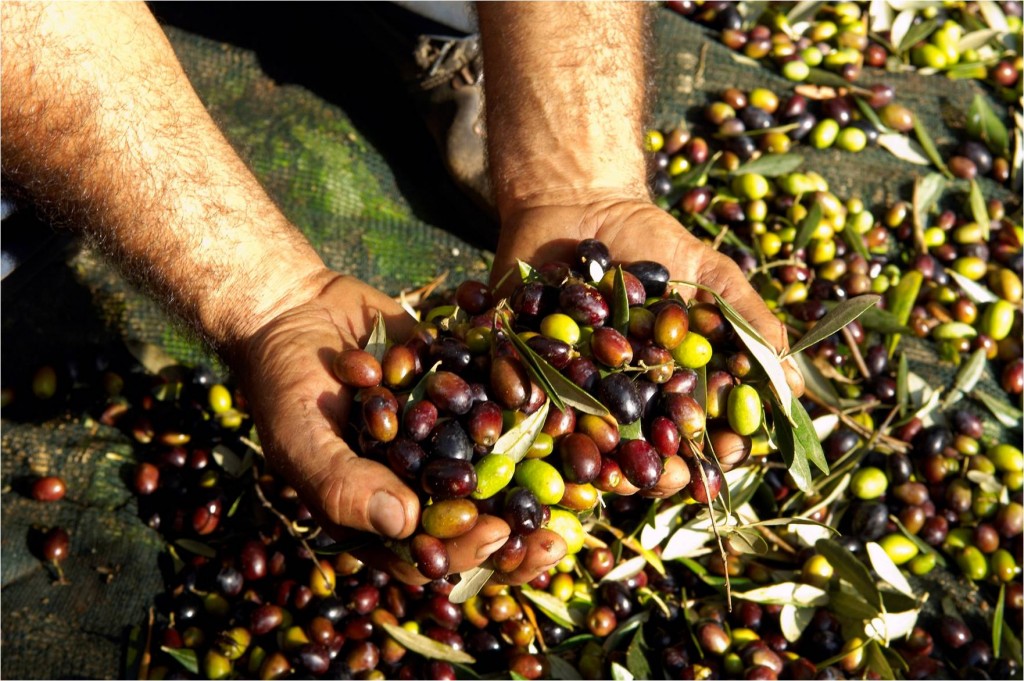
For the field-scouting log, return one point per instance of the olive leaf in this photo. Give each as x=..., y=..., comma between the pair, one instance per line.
x=770, y=165
x=887, y=569
x=975, y=39
x=691, y=178
x=794, y=455
x=901, y=300
x=979, y=211
x=856, y=242
x=516, y=442
x=815, y=382
x=686, y=542
x=631, y=431
x=871, y=116
x=186, y=657
x=615, y=638
x=714, y=230
x=852, y=605
x=626, y=569
x=526, y=271
x=787, y=593
x=993, y=15
x=967, y=377
x=803, y=10
x=723, y=494
x=559, y=389
x=561, y=669
x=816, y=76
x=1011, y=646
x=196, y=547
x=636, y=656
x=852, y=570
x=900, y=26
x=928, y=145
x=807, y=226
x=419, y=390
x=983, y=123
x=806, y=436
x=837, y=318
x=472, y=581
x=903, y=148
x=902, y=386
x=620, y=673
x=635, y=546
x=974, y=291
x=620, y=302
x=876, y=662
x=1005, y=413
x=553, y=607
x=793, y=620
x=425, y=646
x=377, y=343
x=917, y=33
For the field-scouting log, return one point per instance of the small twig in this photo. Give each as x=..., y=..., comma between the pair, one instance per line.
x=718, y=537
x=779, y=541
x=287, y=522
x=146, y=657
x=892, y=443
x=855, y=352
x=720, y=238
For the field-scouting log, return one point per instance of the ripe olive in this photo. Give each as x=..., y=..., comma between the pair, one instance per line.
x=449, y=392
x=450, y=518
x=581, y=459
x=49, y=488
x=639, y=462
x=448, y=478
x=357, y=368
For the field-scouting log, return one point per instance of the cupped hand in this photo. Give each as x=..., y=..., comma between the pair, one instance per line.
x=635, y=229
x=302, y=413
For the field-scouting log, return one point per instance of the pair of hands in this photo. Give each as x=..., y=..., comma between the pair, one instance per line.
x=300, y=408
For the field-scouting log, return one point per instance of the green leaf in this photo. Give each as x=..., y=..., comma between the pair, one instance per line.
x=186, y=657
x=815, y=382
x=377, y=343
x=636, y=656
x=793, y=455
x=807, y=226
x=620, y=303
x=714, y=230
x=420, y=389
x=472, y=581
x=559, y=389
x=690, y=179
x=927, y=191
x=631, y=431
x=838, y=317
x=967, y=377
x=615, y=638
x=852, y=570
x=1011, y=644
x=1005, y=413
x=787, y=593
x=997, y=622
x=553, y=607
x=876, y=661
x=196, y=547
x=929, y=147
x=851, y=605
x=802, y=11
x=984, y=122
x=526, y=271
x=902, y=385
x=620, y=673
x=917, y=33
x=901, y=302
x=770, y=165
x=856, y=242
x=806, y=438
x=872, y=117
x=427, y=647
x=979, y=211
x=561, y=669
x=516, y=442
x=818, y=76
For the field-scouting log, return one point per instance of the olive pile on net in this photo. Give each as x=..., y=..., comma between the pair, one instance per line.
x=629, y=350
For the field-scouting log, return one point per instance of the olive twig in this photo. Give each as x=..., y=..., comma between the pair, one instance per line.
x=146, y=656
x=718, y=537
x=855, y=352
x=285, y=520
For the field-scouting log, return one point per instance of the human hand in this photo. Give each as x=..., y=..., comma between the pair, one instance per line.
x=301, y=412
x=635, y=229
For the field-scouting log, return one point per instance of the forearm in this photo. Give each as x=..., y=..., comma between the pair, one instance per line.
x=566, y=99
x=103, y=129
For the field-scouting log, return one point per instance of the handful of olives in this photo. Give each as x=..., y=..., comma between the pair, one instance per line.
x=584, y=381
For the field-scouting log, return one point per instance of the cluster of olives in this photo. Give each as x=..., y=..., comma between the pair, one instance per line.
x=471, y=363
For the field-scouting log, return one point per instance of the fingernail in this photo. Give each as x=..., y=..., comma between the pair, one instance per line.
x=487, y=549
x=387, y=514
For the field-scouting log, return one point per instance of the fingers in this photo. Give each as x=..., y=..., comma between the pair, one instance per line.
x=544, y=549
x=476, y=546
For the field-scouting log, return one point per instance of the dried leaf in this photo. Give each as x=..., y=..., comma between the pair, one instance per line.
x=852, y=570
x=887, y=569
x=427, y=647
x=377, y=343
x=553, y=607
x=837, y=318
x=787, y=593
x=903, y=148
x=770, y=165
x=186, y=657
x=516, y=442
x=472, y=581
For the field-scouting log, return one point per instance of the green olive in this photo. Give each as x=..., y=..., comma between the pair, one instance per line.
x=1004, y=567
x=693, y=352
x=750, y=186
x=823, y=135
x=972, y=267
x=852, y=139
x=796, y=70
x=869, y=483
x=1006, y=458
x=219, y=398
x=922, y=564
x=560, y=327
x=541, y=447
x=216, y=666
x=744, y=410
x=566, y=525
x=900, y=549
x=542, y=479
x=997, y=320
x=493, y=473
x=450, y=518
x=972, y=563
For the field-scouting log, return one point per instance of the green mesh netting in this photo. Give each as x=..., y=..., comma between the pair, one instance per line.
x=352, y=202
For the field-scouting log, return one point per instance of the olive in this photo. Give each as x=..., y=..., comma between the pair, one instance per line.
x=448, y=478
x=56, y=544
x=450, y=518
x=704, y=488
x=49, y=488
x=897, y=117
x=579, y=496
x=555, y=352
x=584, y=304
x=639, y=462
x=664, y=435
x=405, y=457
x=449, y=392
x=671, y=326
x=484, y=423
x=265, y=618
x=693, y=352
x=567, y=526
x=868, y=483
x=686, y=413
x=601, y=621
x=899, y=548
x=583, y=372
x=380, y=418
x=581, y=459
x=603, y=433
x=744, y=410
x=473, y=297
x=449, y=440
x=652, y=275
x=147, y=479
x=357, y=368
x=510, y=555
x=542, y=479
x=730, y=448
x=510, y=383
x=523, y=511
x=398, y=366
x=619, y=395
x=419, y=419
x=591, y=251
x=610, y=347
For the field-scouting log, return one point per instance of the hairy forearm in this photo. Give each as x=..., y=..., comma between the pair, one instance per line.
x=565, y=100
x=102, y=128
